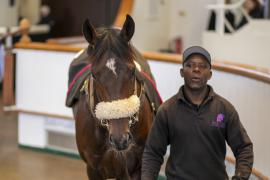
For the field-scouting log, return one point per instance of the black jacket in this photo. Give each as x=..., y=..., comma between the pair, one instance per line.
x=197, y=136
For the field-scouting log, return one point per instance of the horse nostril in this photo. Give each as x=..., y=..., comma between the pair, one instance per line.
x=111, y=139
x=129, y=137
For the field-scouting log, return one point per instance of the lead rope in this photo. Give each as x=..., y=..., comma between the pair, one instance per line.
x=89, y=91
x=135, y=86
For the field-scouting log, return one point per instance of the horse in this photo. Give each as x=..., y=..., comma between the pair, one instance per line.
x=113, y=110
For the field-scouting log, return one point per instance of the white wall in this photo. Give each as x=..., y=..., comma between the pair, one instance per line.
x=27, y=8
x=31, y=130
x=42, y=81
x=8, y=14
x=159, y=22
x=249, y=45
x=30, y=9
x=189, y=19
x=152, y=24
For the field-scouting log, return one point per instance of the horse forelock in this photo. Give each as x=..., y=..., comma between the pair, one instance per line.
x=109, y=44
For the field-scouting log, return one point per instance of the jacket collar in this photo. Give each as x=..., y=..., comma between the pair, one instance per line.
x=181, y=96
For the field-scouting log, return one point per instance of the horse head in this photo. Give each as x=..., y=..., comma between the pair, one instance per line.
x=114, y=92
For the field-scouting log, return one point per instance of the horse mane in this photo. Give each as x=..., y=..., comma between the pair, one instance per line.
x=110, y=42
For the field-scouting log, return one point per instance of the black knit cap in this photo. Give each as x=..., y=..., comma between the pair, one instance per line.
x=196, y=50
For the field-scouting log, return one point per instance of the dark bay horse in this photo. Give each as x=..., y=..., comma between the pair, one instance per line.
x=113, y=112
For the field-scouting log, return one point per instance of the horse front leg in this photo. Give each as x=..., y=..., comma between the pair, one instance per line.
x=136, y=175
x=124, y=175
x=93, y=174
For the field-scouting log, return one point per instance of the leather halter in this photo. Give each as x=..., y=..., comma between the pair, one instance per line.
x=88, y=88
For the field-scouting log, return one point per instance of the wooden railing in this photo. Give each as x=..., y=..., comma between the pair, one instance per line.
x=258, y=73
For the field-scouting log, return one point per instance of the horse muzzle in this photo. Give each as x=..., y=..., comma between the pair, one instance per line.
x=120, y=142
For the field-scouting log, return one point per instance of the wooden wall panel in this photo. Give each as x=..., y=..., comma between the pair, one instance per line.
x=69, y=14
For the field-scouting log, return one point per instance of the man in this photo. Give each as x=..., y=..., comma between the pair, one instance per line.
x=196, y=123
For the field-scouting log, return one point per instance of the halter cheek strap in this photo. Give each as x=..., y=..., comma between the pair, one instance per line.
x=89, y=93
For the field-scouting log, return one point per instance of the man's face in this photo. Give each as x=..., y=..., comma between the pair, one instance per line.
x=196, y=72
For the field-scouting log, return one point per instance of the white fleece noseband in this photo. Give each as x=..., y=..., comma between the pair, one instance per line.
x=118, y=109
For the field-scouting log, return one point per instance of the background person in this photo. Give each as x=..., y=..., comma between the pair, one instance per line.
x=254, y=9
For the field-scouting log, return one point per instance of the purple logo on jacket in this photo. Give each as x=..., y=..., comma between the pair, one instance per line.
x=219, y=121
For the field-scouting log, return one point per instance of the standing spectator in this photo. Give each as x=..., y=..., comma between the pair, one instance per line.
x=45, y=19
x=254, y=9
x=45, y=15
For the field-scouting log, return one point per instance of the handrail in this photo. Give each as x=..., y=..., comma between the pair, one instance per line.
x=226, y=6
x=258, y=73
x=47, y=47
x=18, y=31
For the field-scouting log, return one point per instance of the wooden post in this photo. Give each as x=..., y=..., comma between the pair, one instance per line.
x=8, y=82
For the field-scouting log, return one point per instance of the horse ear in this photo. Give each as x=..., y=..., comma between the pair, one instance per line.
x=128, y=28
x=89, y=32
